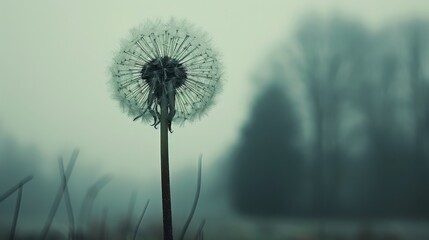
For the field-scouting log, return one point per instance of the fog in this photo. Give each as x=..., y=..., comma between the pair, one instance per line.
x=321, y=131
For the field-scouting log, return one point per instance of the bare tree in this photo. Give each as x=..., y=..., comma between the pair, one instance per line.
x=330, y=57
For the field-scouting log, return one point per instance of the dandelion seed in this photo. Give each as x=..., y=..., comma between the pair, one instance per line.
x=171, y=60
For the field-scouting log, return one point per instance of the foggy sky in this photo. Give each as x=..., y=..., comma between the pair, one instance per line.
x=55, y=55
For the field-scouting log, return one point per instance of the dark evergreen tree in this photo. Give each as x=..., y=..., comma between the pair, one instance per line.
x=266, y=165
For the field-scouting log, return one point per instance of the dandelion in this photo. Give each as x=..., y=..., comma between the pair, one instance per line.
x=172, y=61
x=166, y=72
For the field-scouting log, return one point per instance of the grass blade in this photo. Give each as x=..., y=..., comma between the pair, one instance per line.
x=16, y=214
x=200, y=233
x=59, y=195
x=140, y=220
x=67, y=199
x=91, y=194
x=14, y=188
x=194, y=205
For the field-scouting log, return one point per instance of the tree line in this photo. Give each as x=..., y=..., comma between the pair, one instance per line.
x=342, y=128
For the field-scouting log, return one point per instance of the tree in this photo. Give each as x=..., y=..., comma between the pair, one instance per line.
x=266, y=166
x=330, y=56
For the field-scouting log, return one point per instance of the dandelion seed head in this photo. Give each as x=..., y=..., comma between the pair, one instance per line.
x=172, y=60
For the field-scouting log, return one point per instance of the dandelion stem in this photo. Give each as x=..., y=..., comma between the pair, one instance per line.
x=165, y=173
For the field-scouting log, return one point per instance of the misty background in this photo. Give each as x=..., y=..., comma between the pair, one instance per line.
x=323, y=117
